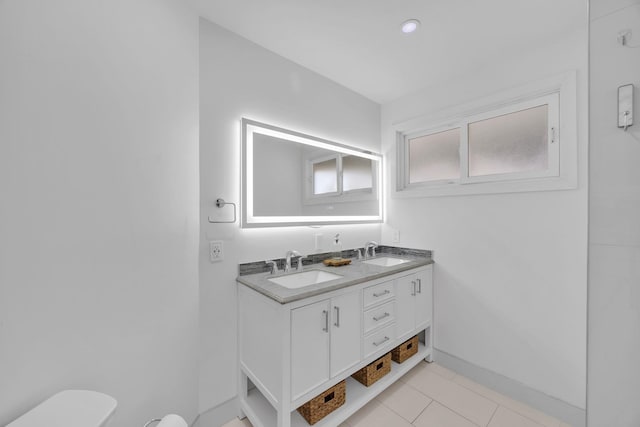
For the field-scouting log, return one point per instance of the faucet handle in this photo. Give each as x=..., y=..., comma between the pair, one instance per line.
x=299, y=266
x=274, y=266
x=359, y=254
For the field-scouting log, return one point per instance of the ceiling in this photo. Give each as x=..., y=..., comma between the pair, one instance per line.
x=358, y=43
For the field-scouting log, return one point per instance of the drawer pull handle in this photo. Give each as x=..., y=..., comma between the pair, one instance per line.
x=378, y=318
x=386, y=291
x=384, y=340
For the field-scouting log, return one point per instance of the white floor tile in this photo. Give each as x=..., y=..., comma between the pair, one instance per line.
x=514, y=405
x=440, y=370
x=413, y=372
x=238, y=423
x=465, y=402
x=376, y=414
x=507, y=418
x=437, y=415
x=404, y=400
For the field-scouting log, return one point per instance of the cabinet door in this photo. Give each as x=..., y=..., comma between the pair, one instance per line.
x=406, y=288
x=423, y=299
x=310, y=327
x=345, y=332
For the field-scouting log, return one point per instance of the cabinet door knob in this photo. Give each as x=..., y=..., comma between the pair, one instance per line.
x=326, y=321
x=337, y=324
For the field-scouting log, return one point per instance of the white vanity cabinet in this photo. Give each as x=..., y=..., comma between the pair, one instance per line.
x=325, y=340
x=414, y=302
x=291, y=352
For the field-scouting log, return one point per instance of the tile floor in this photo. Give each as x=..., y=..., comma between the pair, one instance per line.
x=433, y=396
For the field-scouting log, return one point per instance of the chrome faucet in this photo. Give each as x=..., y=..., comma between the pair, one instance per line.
x=274, y=266
x=373, y=245
x=292, y=254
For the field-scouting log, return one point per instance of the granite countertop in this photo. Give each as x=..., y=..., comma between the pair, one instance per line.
x=352, y=274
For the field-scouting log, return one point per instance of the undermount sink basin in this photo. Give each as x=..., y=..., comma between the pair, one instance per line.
x=385, y=261
x=306, y=278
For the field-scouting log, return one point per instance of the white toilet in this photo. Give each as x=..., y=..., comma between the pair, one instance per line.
x=70, y=408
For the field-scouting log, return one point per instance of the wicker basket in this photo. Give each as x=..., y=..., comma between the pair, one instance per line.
x=324, y=404
x=405, y=350
x=374, y=371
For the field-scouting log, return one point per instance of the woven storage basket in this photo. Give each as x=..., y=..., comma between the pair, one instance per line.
x=405, y=350
x=374, y=371
x=324, y=404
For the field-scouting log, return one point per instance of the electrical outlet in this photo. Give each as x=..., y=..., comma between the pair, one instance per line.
x=318, y=242
x=216, y=252
x=396, y=236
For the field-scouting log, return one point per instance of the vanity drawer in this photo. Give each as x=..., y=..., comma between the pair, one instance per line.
x=378, y=293
x=379, y=316
x=384, y=338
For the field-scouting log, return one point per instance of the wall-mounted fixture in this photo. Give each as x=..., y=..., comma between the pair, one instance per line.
x=290, y=178
x=220, y=203
x=625, y=106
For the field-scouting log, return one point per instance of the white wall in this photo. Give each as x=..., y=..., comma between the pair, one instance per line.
x=240, y=79
x=99, y=209
x=614, y=211
x=510, y=273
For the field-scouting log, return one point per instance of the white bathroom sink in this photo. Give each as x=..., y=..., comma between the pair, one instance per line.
x=306, y=278
x=385, y=261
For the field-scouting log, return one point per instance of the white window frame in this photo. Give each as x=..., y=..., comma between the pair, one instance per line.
x=405, y=155
x=558, y=92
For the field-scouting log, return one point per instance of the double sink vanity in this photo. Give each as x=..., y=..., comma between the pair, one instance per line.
x=305, y=330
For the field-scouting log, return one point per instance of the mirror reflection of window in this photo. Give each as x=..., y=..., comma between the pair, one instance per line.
x=325, y=176
x=356, y=173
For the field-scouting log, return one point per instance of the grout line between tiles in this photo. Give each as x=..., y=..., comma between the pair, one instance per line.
x=507, y=407
x=494, y=414
x=418, y=416
x=398, y=413
x=458, y=414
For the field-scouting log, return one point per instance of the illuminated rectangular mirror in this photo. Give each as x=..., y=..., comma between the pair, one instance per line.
x=290, y=178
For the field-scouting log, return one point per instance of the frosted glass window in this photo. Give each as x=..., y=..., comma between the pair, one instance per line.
x=356, y=173
x=434, y=157
x=515, y=142
x=325, y=177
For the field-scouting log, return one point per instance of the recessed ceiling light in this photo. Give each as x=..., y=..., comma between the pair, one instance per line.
x=410, y=25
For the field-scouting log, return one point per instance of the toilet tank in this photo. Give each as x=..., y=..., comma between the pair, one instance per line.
x=70, y=408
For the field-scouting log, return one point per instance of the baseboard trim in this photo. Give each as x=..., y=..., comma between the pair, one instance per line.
x=218, y=415
x=555, y=407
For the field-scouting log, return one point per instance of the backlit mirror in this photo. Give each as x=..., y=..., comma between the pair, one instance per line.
x=290, y=178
